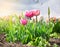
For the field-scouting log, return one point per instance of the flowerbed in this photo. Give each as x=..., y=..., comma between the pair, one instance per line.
x=20, y=29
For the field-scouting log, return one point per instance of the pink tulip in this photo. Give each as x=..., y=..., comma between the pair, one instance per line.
x=54, y=19
x=29, y=14
x=23, y=21
x=36, y=12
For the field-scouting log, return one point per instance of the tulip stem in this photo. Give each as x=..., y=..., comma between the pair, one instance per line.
x=49, y=18
x=36, y=19
x=30, y=18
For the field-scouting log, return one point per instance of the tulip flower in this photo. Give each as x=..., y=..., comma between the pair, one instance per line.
x=54, y=19
x=20, y=17
x=36, y=13
x=23, y=21
x=6, y=18
x=29, y=14
x=47, y=20
x=13, y=19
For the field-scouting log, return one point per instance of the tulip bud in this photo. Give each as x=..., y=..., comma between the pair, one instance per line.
x=23, y=21
x=54, y=19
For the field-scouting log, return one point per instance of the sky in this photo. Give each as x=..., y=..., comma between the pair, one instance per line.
x=8, y=7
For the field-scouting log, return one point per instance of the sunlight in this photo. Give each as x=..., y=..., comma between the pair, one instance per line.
x=6, y=8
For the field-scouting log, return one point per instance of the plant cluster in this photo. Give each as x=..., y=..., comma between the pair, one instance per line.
x=30, y=33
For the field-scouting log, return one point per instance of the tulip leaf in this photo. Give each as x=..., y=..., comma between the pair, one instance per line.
x=48, y=11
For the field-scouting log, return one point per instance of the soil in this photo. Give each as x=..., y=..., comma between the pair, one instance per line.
x=3, y=43
x=54, y=41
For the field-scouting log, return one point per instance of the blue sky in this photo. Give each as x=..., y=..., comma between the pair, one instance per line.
x=15, y=6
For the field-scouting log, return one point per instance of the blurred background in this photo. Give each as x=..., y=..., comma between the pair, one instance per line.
x=8, y=7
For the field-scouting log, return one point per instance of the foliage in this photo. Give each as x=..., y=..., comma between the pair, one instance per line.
x=32, y=33
x=40, y=42
x=55, y=35
x=56, y=27
x=55, y=45
x=3, y=25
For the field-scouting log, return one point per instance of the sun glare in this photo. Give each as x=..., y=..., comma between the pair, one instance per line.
x=5, y=8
